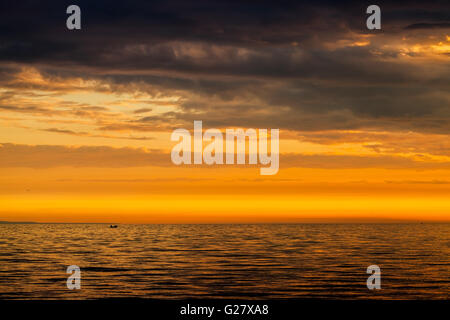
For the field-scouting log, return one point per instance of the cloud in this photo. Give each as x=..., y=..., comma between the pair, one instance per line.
x=429, y=25
x=143, y=110
x=296, y=65
x=48, y=156
x=418, y=182
x=396, y=142
x=87, y=134
x=357, y=162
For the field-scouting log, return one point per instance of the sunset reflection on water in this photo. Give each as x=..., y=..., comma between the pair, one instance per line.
x=267, y=261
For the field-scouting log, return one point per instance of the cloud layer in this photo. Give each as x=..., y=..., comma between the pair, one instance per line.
x=289, y=65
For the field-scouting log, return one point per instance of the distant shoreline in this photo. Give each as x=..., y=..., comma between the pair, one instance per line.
x=238, y=223
x=34, y=222
x=18, y=222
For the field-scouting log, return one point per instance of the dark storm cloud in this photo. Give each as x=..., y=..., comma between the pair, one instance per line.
x=286, y=64
x=429, y=25
x=35, y=31
x=244, y=22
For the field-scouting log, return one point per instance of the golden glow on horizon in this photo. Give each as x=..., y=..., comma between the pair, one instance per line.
x=231, y=208
x=171, y=195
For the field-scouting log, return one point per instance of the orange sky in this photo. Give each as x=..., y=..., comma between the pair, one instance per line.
x=84, y=148
x=178, y=195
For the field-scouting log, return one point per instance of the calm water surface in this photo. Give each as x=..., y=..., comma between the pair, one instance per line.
x=225, y=261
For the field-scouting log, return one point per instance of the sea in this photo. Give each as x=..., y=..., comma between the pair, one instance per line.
x=225, y=261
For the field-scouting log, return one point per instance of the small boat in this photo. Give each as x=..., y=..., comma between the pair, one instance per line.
x=113, y=226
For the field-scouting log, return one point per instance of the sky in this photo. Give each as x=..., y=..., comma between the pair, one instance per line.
x=86, y=115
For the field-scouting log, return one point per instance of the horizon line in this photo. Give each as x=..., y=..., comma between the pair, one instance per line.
x=339, y=221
